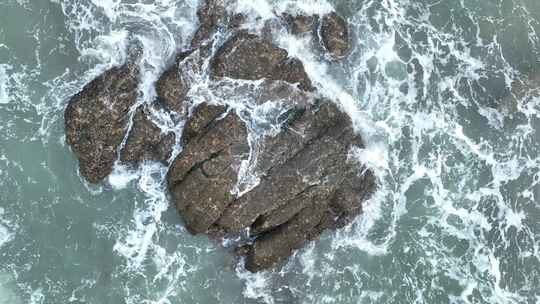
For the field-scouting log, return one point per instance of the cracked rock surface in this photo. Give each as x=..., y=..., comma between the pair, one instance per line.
x=96, y=120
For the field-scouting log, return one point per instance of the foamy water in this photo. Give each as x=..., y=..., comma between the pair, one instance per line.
x=429, y=86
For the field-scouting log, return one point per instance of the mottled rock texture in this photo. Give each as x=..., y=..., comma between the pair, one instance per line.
x=173, y=85
x=300, y=24
x=334, y=33
x=248, y=56
x=96, y=120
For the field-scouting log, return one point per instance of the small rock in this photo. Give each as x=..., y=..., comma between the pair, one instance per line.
x=334, y=32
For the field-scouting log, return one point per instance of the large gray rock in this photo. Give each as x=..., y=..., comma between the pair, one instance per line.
x=307, y=183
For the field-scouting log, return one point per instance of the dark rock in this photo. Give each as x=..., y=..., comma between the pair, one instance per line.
x=203, y=116
x=334, y=33
x=213, y=16
x=202, y=177
x=300, y=24
x=247, y=56
x=173, y=86
x=307, y=183
x=292, y=71
x=146, y=141
x=97, y=117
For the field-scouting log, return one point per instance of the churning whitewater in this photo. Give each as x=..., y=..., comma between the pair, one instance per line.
x=445, y=94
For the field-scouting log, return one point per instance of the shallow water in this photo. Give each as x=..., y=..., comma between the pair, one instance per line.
x=428, y=85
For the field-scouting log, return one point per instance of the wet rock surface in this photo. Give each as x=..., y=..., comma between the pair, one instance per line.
x=307, y=185
x=96, y=120
x=331, y=30
x=306, y=180
x=201, y=178
x=248, y=56
x=213, y=16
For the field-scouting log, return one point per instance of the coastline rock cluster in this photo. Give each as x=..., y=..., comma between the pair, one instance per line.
x=307, y=183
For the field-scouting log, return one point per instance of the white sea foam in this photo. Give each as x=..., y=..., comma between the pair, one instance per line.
x=256, y=285
x=4, y=98
x=6, y=234
x=122, y=176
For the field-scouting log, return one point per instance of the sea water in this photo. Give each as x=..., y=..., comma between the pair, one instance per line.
x=445, y=93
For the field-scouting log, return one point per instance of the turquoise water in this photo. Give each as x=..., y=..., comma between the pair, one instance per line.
x=429, y=85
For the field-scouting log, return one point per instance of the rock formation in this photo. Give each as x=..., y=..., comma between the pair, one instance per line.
x=306, y=181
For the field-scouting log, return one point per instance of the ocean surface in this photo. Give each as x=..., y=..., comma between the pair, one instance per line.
x=446, y=94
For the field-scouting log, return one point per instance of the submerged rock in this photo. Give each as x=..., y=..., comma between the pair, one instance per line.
x=334, y=33
x=307, y=184
x=96, y=120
